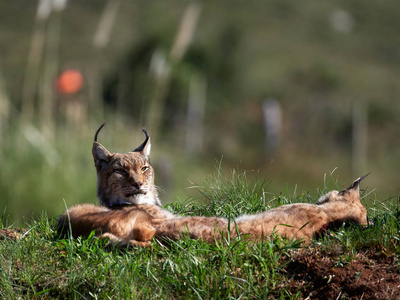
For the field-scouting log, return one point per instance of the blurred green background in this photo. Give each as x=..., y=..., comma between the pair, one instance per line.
x=293, y=90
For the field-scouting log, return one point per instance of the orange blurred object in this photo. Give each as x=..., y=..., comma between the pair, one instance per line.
x=70, y=82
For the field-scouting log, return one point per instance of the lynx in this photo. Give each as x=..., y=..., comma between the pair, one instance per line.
x=300, y=220
x=131, y=212
x=124, y=178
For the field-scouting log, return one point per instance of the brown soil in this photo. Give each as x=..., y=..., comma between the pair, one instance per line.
x=14, y=233
x=365, y=275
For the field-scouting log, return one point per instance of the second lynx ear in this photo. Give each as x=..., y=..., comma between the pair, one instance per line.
x=146, y=146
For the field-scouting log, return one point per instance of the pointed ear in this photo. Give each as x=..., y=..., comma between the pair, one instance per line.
x=355, y=186
x=146, y=146
x=100, y=154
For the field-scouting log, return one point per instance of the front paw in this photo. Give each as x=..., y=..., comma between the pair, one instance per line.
x=140, y=244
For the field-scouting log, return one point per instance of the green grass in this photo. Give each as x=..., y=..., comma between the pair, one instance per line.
x=38, y=265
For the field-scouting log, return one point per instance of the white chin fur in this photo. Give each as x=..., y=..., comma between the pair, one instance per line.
x=144, y=199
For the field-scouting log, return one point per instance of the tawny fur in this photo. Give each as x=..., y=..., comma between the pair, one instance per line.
x=300, y=220
x=138, y=224
x=128, y=225
x=124, y=178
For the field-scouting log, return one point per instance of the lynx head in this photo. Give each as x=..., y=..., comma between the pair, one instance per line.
x=351, y=197
x=124, y=178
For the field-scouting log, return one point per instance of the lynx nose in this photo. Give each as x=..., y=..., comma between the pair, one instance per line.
x=138, y=184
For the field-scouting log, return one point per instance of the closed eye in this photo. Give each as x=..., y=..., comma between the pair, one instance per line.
x=121, y=172
x=144, y=169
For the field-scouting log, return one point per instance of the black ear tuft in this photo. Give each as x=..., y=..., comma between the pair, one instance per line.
x=354, y=185
x=145, y=132
x=145, y=147
x=100, y=154
x=98, y=130
x=356, y=182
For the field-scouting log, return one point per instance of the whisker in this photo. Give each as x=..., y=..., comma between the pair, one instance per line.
x=159, y=189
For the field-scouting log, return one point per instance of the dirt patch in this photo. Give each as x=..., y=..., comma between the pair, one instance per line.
x=365, y=275
x=12, y=233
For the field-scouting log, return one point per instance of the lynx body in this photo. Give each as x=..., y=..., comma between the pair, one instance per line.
x=138, y=224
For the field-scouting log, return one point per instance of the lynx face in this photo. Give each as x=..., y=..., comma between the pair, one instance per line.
x=124, y=178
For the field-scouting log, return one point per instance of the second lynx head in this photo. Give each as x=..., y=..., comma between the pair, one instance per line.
x=124, y=178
